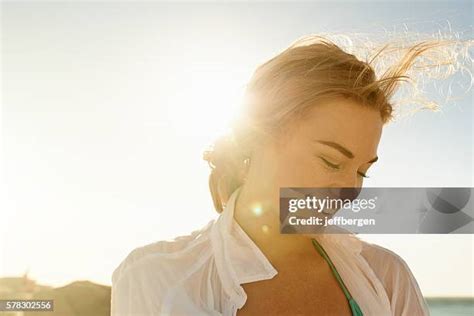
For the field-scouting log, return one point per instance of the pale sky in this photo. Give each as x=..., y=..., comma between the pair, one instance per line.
x=107, y=107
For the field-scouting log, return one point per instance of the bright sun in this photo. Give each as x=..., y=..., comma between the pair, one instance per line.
x=206, y=98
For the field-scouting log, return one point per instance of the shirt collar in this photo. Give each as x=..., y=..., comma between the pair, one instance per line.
x=239, y=260
x=237, y=257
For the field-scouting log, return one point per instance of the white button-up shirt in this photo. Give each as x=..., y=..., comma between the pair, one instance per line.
x=201, y=273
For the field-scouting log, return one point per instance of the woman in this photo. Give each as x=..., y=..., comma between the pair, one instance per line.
x=313, y=117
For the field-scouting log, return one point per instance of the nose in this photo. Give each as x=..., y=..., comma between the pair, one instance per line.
x=347, y=187
x=345, y=193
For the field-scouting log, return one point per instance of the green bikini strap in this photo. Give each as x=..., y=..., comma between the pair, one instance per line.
x=356, y=311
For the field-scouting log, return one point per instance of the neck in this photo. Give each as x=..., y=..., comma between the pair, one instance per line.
x=257, y=212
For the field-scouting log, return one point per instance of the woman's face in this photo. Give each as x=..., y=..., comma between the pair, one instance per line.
x=334, y=145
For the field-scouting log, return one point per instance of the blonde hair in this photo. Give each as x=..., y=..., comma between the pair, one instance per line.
x=312, y=69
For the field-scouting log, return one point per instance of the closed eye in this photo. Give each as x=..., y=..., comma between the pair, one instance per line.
x=337, y=167
x=329, y=164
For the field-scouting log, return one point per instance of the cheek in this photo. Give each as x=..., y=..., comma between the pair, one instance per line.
x=298, y=168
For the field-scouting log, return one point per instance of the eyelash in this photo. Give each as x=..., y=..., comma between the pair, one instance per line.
x=337, y=167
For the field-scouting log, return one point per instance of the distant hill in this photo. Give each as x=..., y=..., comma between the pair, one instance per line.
x=79, y=298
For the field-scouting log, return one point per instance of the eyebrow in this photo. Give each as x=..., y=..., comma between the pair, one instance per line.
x=346, y=152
